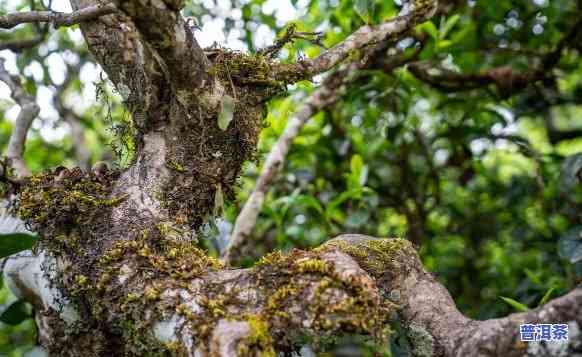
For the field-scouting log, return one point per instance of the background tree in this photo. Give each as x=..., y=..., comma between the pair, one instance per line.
x=452, y=126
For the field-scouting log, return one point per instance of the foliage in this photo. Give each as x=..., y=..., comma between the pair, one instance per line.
x=14, y=243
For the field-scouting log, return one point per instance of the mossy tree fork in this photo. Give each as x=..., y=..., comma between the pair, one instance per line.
x=115, y=272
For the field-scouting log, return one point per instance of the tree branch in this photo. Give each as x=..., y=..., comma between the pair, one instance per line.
x=420, y=11
x=352, y=282
x=507, y=81
x=165, y=30
x=322, y=97
x=57, y=19
x=28, y=111
x=131, y=66
x=19, y=45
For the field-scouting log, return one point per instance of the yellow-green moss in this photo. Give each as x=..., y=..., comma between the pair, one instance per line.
x=259, y=342
x=287, y=278
x=375, y=256
x=247, y=69
x=175, y=165
x=55, y=203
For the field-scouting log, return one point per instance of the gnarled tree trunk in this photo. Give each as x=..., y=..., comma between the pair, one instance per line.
x=116, y=271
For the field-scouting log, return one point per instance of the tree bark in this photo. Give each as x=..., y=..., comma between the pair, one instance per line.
x=117, y=271
x=353, y=283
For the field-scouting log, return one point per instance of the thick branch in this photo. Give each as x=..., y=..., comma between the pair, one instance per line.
x=57, y=19
x=163, y=27
x=28, y=111
x=427, y=306
x=116, y=45
x=353, y=282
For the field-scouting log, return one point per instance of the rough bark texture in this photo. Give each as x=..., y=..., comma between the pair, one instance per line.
x=149, y=301
x=117, y=271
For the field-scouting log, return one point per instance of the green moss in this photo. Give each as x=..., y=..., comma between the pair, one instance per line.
x=175, y=165
x=245, y=69
x=287, y=277
x=53, y=203
x=313, y=266
x=376, y=256
x=160, y=267
x=150, y=264
x=259, y=342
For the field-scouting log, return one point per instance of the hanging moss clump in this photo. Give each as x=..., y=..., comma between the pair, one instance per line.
x=57, y=203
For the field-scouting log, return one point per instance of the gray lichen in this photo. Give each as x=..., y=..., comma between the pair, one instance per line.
x=421, y=341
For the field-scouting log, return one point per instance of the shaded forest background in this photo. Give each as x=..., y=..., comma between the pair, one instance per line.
x=477, y=159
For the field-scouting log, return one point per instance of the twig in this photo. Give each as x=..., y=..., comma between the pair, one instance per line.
x=290, y=35
x=365, y=36
x=56, y=18
x=507, y=80
x=28, y=111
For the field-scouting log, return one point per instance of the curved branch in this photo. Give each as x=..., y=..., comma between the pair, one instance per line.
x=428, y=309
x=353, y=282
x=57, y=19
x=420, y=11
x=322, y=97
x=28, y=111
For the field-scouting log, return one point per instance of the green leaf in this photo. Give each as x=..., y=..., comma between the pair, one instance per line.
x=15, y=313
x=226, y=113
x=515, y=304
x=15, y=242
x=448, y=26
x=309, y=201
x=365, y=8
x=430, y=28
x=344, y=196
x=547, y=296
x=444, y=44
x=359, y=172
x=356, y=164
